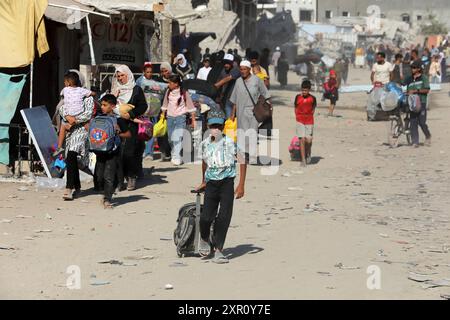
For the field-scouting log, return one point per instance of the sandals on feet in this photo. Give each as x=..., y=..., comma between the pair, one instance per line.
x=204, y=248
x=107, y=204
x=219, y=258
x=68, y=195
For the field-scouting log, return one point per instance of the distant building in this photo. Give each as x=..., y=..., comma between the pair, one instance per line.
x=301, y=10
x=247, y=13
x=414, y=12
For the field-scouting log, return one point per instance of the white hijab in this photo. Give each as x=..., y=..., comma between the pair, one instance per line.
x=125, y=90
x=184, y=63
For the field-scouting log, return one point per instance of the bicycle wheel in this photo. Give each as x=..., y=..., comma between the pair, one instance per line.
x=408, y=132
x=394, y=133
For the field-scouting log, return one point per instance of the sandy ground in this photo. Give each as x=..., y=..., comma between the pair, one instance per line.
x=397, y=219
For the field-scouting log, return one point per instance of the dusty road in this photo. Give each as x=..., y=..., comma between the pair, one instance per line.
x=299, y=234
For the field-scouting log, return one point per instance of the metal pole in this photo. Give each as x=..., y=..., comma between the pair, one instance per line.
x=79, y=9
x=91, y=44
x=31, y=106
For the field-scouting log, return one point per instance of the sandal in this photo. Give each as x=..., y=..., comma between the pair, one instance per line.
x=68, y=195
x=204, y=248
x=219, y=258
x=107, y=204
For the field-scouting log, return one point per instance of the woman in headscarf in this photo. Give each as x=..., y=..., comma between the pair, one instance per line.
x=183, y=68
x=127, y=92
x=76, y=143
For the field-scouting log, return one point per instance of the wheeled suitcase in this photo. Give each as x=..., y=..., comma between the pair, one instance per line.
x=187, y=233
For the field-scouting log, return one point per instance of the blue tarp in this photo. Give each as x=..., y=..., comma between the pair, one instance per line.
x=10, y=92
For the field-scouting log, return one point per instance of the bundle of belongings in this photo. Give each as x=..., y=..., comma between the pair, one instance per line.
x=383, y=100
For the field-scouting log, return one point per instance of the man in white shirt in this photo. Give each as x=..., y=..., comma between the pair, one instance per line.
x=204, y=71
x=275, y=57
x=382, y=70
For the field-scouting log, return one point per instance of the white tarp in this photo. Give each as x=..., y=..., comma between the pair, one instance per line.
x=66, y=11
x=368, y=87
x=114, y=6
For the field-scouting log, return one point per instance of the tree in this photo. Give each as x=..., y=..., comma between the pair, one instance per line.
x=433, y=26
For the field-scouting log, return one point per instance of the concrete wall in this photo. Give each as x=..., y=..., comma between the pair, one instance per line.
x=391, y=9
x=296, y=5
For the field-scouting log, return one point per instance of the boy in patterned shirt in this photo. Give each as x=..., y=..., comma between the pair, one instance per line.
x=220, y=155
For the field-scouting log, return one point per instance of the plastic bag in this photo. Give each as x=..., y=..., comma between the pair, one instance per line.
x=415, y=105
x=44, y=182
x=230, y=129
x=145, y=130
x=160, y=128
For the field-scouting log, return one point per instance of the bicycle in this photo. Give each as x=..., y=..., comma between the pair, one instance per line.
x=399, y=126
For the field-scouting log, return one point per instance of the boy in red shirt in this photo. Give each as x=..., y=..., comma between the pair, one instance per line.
x=305, y=106
x=331, y=88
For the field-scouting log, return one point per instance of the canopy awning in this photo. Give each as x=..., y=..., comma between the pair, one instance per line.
x=73, y=11
x=116, y=6
x=66, y=11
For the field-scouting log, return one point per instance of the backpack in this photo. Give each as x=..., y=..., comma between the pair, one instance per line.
x=187, y=232
x=145, y=130
x=294, y=149
x=102, y=135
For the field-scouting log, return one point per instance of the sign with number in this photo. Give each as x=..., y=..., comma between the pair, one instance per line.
x=119, y=41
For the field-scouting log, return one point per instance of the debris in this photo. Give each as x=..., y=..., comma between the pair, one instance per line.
x=418, y=277
x=29, y=238
x=324, y=273
x=366, y=173
x=110, y=262
x=117, y=262
x=287, y=175
x=139, y=258
x=165, y=239
x=308, y=208
x=342, y=267
x=276, y=209
x=42, y=231
x=295, y=189
x=24, y=217
x=436, y=283
x=444, y=249
x=6, y=247
x=130, y=212
x=99, y=282
x=263, y=224
x=178, y=264
x=168, y=287
x=381, y=253
x=401, y=242
x=23, y=189
x=383, y=235
x=12, y=197
x=5, y=221
x=84, y=201
x=47, y=216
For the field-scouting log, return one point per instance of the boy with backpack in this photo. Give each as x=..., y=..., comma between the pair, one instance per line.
x=220, y=155
x=305, y=106
x=105, y=133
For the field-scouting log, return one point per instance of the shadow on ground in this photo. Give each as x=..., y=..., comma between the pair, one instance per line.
x=118, y=201
x=241, y=250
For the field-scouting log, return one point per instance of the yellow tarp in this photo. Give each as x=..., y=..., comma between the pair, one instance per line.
x=22, y=31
